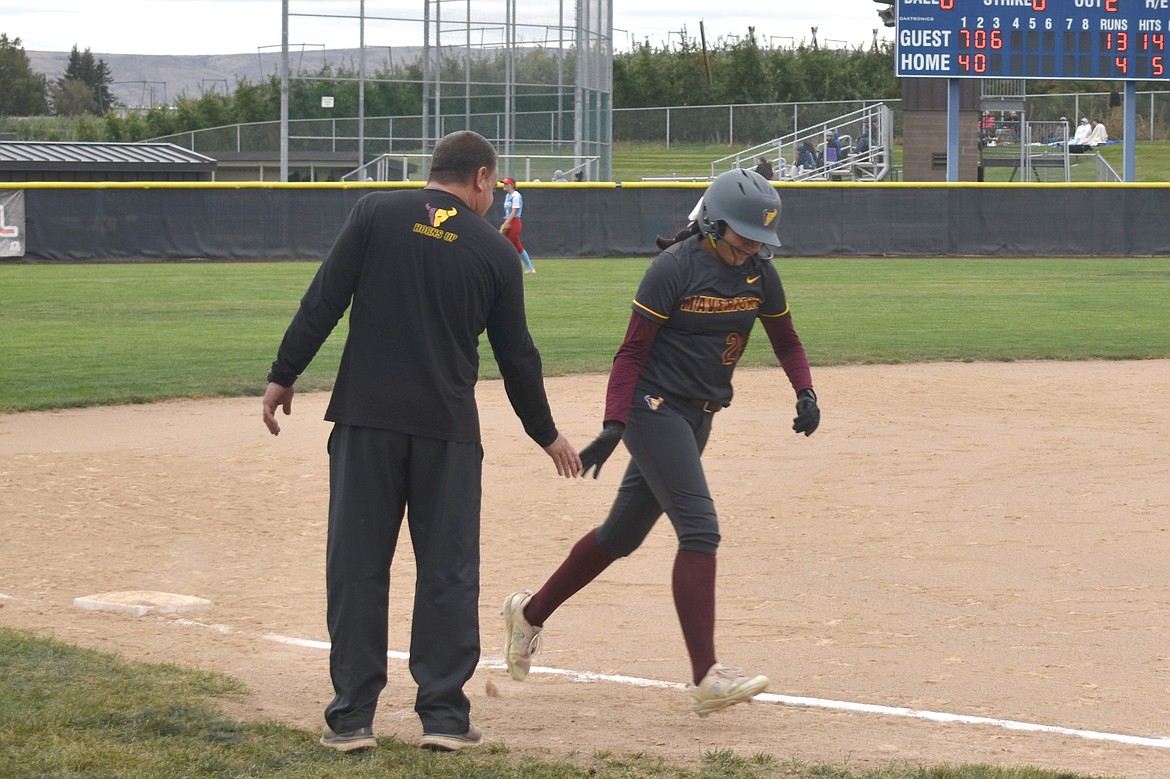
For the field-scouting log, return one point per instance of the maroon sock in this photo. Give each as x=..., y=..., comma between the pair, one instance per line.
x=693, y=582
x=585, y=561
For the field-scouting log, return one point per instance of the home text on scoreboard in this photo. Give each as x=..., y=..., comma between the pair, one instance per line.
x=1114, y=40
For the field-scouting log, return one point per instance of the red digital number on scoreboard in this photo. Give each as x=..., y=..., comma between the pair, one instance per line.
x=980, y=39
x=1037, y=5
x=976, y=63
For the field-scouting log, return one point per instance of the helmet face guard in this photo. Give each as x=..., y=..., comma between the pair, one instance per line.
x=746, y=202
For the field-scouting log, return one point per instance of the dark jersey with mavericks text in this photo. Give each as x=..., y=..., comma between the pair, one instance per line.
x=424, y=276
x=706, y=308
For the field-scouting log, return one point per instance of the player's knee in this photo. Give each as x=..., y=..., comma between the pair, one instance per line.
x=617, y=541
x=703, y=543
x=615, y=547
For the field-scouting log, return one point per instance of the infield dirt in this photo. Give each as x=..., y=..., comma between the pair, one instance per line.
x=974, y=539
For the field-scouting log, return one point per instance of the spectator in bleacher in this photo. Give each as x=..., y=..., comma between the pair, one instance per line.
x=1059, y=135
x=806, y=156
x=1081, y=136
x=862, y=145
x=866, y=138
x=1079, y=142
x=832, y=146
x=764, y=168
x=1098, y=135
x=987, y=127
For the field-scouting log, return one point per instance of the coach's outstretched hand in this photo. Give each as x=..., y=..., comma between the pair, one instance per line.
x=276, y=396
x=595, y=455
x=565, y=456
x=808, y=414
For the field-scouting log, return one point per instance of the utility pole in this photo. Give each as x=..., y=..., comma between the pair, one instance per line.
x=284, y=90
x=706, y=59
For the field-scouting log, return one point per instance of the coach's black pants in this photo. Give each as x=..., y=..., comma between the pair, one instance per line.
x=374, y=475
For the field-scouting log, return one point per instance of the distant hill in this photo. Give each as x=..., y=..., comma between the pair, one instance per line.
x=157, y=79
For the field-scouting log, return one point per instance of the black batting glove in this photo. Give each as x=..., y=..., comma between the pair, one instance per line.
x=808, y=414
x=595, y=455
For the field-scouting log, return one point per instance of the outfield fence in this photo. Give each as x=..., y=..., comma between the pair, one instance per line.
x=77, y=223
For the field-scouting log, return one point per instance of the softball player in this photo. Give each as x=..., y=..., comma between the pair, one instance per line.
x=692, y=315
x=513, y=211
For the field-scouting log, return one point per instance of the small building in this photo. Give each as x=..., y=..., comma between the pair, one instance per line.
x=302, y=166
x=101, y=161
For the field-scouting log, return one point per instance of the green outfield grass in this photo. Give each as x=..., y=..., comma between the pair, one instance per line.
x=78, y=335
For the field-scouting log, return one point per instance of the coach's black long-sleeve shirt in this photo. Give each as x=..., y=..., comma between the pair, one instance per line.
x=425, y=276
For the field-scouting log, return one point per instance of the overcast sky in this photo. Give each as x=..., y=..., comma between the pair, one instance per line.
x=247, y=26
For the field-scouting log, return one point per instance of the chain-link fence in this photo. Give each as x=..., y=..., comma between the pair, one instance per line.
x=734, y=126
x=1152, y=110
x=383, y=134
x=747, y=125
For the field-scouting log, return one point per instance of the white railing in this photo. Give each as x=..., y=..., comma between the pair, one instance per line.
x=864, y=137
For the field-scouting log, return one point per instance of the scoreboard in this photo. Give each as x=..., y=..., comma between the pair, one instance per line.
x=1115, y=40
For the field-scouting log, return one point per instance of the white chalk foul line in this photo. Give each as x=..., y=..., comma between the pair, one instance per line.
x=1159, y=742
x=965, y=719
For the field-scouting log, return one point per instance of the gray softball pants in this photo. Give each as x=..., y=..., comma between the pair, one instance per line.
x=665, y=475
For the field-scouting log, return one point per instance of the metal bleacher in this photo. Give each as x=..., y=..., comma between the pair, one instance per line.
x=865, y=138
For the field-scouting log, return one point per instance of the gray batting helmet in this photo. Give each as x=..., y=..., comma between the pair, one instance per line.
x=745, y=201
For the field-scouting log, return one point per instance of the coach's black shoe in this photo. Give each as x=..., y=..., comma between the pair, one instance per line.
x=350, y=740
x=446, y=742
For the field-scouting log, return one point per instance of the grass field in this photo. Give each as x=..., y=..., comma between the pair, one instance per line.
x=79, y=335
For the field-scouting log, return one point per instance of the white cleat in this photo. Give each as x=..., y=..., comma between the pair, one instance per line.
x=723, y=687
x=521, y=640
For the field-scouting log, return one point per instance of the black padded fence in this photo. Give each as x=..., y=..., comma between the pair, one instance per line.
x=299, y=222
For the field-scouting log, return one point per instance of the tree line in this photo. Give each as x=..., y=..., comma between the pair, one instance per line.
x=689, y=73
x=82, y=89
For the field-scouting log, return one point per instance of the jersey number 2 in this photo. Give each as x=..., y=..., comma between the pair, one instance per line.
x=736, y=343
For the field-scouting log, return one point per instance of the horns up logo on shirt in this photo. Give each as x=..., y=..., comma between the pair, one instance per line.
x=439, y=215
x=436, y=217
x=652, y=402
x=769, y=215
